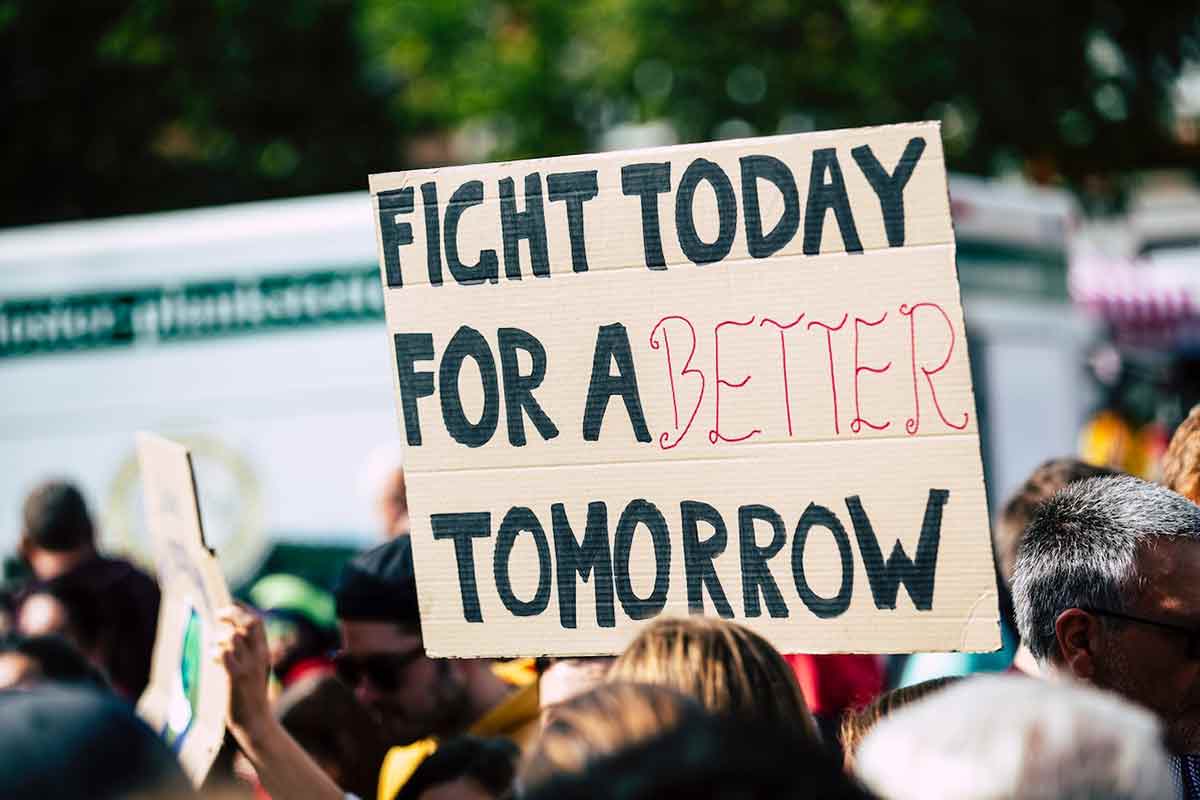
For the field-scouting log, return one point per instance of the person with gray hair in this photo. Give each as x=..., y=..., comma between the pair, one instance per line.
x=1106, y=589
x=1017, y=738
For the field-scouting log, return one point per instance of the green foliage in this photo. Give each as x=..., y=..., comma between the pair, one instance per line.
x=137, y=105
x=513, y=76
x=1063, y=90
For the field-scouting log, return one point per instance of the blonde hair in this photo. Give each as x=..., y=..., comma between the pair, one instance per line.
x=727, y=668
x=1181, y=464
x=599, y=722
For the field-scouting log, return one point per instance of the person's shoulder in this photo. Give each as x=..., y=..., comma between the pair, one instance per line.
x=515, y=718
x=126, y=571
x=106, y=574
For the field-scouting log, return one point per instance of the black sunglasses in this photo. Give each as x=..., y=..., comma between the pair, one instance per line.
x=1192, y=634
x=381, y=669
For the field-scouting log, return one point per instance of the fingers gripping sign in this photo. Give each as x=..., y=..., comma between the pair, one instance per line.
x=241, y=645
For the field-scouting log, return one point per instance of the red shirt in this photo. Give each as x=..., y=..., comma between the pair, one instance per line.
x=834, y=683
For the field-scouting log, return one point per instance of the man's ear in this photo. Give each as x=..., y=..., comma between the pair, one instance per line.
x=1078, y=636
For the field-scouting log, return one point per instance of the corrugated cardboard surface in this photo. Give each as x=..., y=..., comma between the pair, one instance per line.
x=189, y=578
x=899, y=317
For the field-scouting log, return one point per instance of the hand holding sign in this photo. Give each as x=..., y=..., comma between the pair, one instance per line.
x=241, y=646
x=727, y=378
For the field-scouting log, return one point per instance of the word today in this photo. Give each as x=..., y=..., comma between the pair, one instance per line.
x=642, y=183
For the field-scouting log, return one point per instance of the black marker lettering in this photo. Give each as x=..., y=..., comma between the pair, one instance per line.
x=433, y=250
x=412, y=347
x=394, y=234
x=771, y=169
x=647, y=181
x=697, y=250
x=917, y=576
x=642, y=512
x=823, y=196
x=529, y=224
x=468, y=342
x=612, y=343
x=823, y=607
x=589, y=558
x=487, y=267
x=575, y=189
x=521, y=520
x=755, y=574
x=698, y=556
x=461, y=529
x=890, y=188
x=518, y=388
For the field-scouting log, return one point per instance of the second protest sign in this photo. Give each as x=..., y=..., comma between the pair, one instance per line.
x=726, y=378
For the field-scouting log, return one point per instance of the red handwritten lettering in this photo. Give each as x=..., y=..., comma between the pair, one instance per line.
x=858, y=421
x=914, y=422
x=832, y=379
x=787, y=400
x=715, y=434
x=664, y=440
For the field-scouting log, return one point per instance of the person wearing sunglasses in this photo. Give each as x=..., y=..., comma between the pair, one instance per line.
x=1106, y=589
x=418, y=700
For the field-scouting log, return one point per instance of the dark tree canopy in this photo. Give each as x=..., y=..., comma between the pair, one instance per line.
x=114, y=107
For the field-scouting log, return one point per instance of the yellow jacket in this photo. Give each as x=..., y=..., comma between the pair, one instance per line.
x=515, y=719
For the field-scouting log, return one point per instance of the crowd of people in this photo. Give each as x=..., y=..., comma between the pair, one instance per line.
x=1095, y=693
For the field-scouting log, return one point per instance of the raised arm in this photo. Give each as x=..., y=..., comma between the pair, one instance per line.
x=286, y=771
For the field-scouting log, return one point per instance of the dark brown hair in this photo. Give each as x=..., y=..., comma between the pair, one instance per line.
x=857, y=723
x=1041, y=485
x=56, y=518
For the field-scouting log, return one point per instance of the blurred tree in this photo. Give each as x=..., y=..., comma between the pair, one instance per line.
x=1060, y=90
x=114, y=106
x=510, y=79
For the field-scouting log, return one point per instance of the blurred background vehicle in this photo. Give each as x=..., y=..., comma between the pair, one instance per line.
x=253, y=333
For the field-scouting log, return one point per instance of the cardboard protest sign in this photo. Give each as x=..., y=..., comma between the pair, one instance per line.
x=188, y=695
x=727, y=378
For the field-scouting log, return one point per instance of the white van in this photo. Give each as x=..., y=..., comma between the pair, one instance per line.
x=253, y=332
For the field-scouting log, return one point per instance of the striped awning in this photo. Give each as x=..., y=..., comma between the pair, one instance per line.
x=1146, y=302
